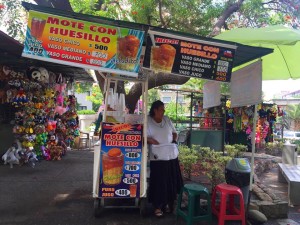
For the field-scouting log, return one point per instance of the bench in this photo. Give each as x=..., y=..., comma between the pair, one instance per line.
x=290, y=174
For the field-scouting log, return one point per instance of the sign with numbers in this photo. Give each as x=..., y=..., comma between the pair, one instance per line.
x=83, y=44
x=121, y=154
x=189, y=57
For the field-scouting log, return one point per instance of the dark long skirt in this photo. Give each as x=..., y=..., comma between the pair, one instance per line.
x=165, y=182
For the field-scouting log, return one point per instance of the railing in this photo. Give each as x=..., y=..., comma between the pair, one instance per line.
x=202, y=123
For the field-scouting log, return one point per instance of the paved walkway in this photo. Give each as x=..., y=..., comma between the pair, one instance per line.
x=280, y=189
x=60, y=192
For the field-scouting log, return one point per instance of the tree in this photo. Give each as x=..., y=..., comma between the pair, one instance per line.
x=96, y=97
x=83, y=87
x=293, y=113
x=206, y=18
x=152, y=96
x=13, y=18
x=175, y=112
x=193, y=84
x=257, y=13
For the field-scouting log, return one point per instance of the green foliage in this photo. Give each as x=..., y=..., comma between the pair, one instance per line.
x=241, y=149
x=13, y=18
x=191, y=16
x=86, y=112
x=96, y=97
x=293, y=114
x=171, y=111
x=285, y=123
x=188, y=157
x=231, y=150
x=83, y=87
x=274, y=148
x=213, y=164
x=204, y=152
x=197, y=84
x=236, y=150
x=258, y=13
x=152, y=96
x=193, y=84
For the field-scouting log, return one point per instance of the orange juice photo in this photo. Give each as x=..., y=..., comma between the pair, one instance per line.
x=112, y=166
x=132, y=189
x=37, y=27
x=127, y=50
x=162, y=58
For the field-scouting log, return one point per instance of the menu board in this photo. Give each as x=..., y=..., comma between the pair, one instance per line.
x=121, y=154
x=83, y=44
x=189, y=57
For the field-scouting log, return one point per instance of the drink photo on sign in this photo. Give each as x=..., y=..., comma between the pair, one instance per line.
x=112, y=166
x=127, y=52
x=162, y=58
x=132, y=190
x=37, y=27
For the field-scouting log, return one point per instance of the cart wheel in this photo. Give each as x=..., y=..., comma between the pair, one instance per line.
x=98, y=209
x=143, y=207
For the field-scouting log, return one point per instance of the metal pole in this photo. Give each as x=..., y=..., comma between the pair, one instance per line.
x=191, y=111
x=176, y=108
x=224, y=127
x=253, y=146
x=252, y=157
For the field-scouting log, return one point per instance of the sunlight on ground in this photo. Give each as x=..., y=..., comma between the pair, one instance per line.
x=273, y=185
x=61, y=197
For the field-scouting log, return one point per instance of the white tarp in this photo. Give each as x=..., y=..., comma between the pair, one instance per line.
x=246, y=85
x=211, y=94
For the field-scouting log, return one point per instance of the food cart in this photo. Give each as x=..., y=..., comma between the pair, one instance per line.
x=114, y=48
x=120, y=162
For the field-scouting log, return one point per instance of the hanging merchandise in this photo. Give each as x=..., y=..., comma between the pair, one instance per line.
x=240, y=120
x=45, y=119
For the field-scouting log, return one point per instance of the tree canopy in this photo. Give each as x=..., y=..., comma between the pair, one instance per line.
x=201, y=17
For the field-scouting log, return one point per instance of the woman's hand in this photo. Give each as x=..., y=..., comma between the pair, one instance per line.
x=152, y=141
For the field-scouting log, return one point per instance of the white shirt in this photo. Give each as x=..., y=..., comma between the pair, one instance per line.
x=163, y=133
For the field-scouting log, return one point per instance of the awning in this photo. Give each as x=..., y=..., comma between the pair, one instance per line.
x=10, y=54
x=242, y=53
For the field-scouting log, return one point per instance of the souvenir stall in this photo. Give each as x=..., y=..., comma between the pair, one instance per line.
x=203, y=127
x=239, y=124
x=45, y=120
x=206, y=125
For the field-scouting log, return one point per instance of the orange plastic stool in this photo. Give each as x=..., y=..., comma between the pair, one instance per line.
x=220, y=209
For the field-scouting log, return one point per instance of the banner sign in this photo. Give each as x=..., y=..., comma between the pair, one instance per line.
x=189, y=57
x=83, y=44
x=121, y=154
x=211, y=94
x=246, y=85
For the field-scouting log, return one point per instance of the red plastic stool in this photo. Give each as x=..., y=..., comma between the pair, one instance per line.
x=220, y=209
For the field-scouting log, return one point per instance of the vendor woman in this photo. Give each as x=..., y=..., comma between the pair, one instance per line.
x=165, y=175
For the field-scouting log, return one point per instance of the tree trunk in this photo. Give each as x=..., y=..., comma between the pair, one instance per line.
x=234, y=7
x=155, y=80
x=59, y=4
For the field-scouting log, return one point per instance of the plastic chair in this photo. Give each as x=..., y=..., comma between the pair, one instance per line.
x=220, y=209
x=194, y=212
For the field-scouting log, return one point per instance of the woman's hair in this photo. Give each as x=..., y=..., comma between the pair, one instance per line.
x=155, y=105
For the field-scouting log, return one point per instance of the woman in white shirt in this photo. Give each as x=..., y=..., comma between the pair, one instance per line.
x=165, y=175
